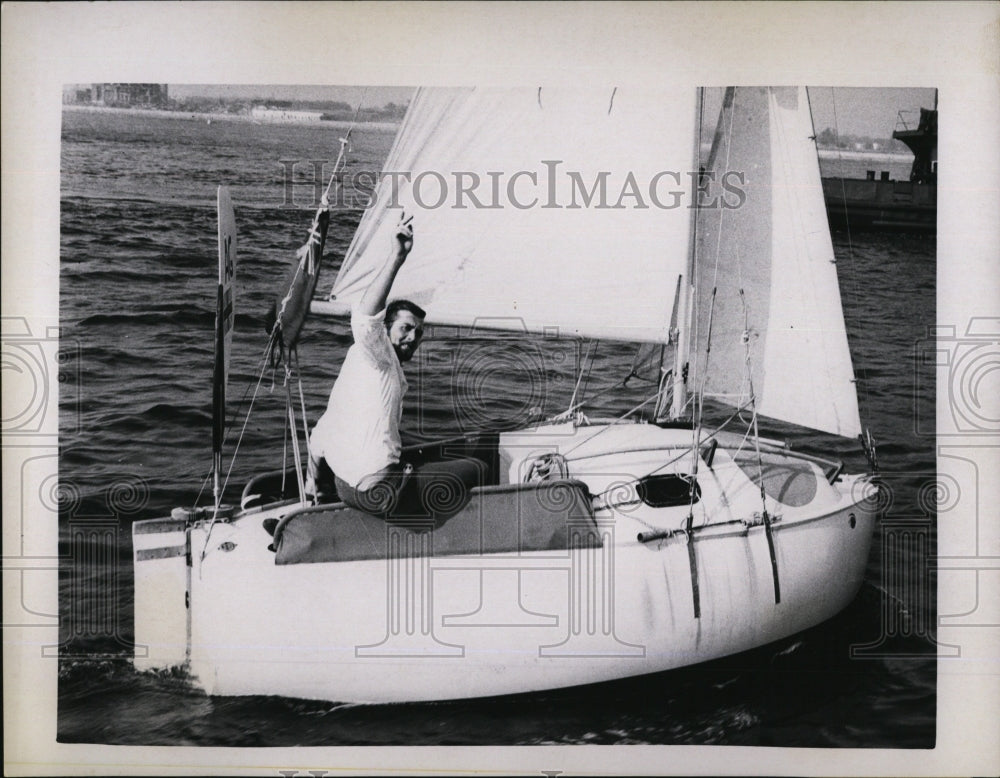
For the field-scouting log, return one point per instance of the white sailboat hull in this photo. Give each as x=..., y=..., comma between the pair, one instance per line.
x=424, y=627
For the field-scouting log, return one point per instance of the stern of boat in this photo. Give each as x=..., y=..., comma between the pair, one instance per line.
x=161, y=552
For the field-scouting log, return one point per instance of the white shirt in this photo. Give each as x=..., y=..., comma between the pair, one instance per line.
x=359, y=433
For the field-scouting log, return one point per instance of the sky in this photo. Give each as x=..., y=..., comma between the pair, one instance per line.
x=848, y=110
x=867, y=111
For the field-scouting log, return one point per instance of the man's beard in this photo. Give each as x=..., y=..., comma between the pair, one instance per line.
x=403, y=354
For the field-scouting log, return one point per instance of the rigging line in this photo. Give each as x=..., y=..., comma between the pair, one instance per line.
x=615, y=386
x=663, y=403
x=689, y=402
x=302, y=401
x=747, y=380
x=607, y=427
x=611, y=103
x=760, y=464
x=850, y=243
x=304, y=254
x=666, y=377
x=262, y=363
x=579, y=380
x=246, y=421
x=290, y=407
x=639, y=362
x=700, y=403
x=748, y=372
x=211, y=526
x=590, y=366
x=658, y=468
x=686, y=451
x=284, y=454
x=341, y=162
x=746, y=435
x=748, y=377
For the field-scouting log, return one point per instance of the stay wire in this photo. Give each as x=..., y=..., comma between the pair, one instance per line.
x=302, y=403
x=855, y=287
x=232, y=461
x=304, y=254
x=699, y=406
x=606, y=428
x=687, y=450
x=262, y=363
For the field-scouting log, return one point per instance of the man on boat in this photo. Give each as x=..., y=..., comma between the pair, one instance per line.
x=355, y=450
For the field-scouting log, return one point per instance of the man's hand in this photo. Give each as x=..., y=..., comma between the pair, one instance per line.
x=404, y=237
x=373, y=300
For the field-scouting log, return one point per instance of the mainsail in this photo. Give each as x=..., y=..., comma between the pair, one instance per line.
x=548, y=210
x=569, y=212
x=768, y=310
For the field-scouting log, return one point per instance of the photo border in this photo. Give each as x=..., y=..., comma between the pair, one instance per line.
x=951, y=46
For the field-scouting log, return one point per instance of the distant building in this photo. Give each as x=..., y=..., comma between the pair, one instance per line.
x=265, y=114
x=125, y=95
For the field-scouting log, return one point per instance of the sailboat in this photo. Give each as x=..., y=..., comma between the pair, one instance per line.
x=594, y=548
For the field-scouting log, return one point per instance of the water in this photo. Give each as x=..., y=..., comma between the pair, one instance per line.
x=137, y=291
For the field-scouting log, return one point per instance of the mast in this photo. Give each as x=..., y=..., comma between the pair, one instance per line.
x=685, y=293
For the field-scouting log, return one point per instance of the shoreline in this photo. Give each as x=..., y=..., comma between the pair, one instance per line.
x=227, y=117
x=338, y=124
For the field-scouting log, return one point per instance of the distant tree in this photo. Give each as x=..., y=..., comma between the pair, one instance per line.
x=827, y=138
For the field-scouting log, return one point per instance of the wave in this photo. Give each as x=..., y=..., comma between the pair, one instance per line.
x=178, y=318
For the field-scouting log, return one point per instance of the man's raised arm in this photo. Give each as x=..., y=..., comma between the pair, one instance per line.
x=374, y=298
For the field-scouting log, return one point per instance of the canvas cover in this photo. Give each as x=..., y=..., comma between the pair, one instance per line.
x=549, y=516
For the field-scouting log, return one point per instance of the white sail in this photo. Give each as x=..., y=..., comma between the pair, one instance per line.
x=547, y=210
x=767, y=300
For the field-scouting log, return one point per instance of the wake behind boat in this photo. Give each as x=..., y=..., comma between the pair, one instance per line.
x=591, y=549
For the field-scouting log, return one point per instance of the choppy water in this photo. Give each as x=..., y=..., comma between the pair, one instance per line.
x=137, y=291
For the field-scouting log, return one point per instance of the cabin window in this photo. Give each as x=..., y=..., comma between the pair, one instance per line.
x=789, y=481
x=668, y=490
